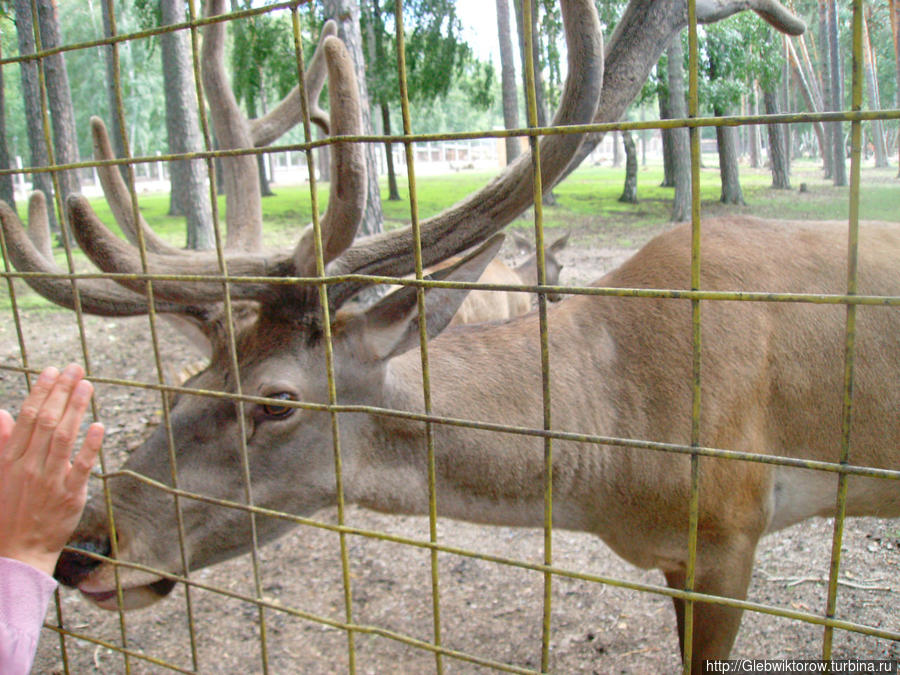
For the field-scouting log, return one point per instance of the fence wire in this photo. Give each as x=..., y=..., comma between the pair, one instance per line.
x=66, y=627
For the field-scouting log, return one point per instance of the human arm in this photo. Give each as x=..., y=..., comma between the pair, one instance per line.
x=42, y=494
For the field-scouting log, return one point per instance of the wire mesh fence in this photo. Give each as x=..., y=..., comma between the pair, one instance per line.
x=340, y=615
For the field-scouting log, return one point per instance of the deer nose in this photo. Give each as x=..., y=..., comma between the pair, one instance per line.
x=73, y=565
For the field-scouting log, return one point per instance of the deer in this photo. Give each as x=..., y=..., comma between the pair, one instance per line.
x=621, y=368
x=481, y=306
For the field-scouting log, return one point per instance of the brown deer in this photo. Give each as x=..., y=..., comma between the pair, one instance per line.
x=620, y=367
x=481, y=306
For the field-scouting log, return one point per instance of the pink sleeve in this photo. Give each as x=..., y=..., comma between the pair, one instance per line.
x=24, y=594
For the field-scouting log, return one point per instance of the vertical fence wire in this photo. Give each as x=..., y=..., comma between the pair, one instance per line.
x=533, y=140
x=850, y=332
x=423, y=335
x=694, y=503
x=234, y=368
x=322, y=289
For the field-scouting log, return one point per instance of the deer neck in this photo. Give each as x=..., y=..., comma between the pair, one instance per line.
x=481, y=476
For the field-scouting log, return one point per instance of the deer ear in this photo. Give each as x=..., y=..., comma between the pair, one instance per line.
x=392, y=324
x=559, y=244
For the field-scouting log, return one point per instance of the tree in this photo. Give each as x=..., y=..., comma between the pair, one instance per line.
x=118, y=134
x=508, y=80
x=876, y=126
x=894, y=9
x=435, y=55
x=629, y=191
x=59, y=98
x=837, y=94
x=811, y=95
x=7, y=190
x=189, y=178
x=725, y=62
x=31, y=95
x=679, y=138
x=778, y=164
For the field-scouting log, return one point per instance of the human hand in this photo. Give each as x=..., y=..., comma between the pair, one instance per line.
x=43, y=490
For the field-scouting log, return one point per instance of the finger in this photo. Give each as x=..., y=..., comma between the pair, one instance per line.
x=63, y=439
x=28, y=414
x=51, y=413
x=6, y=428
x=84, y=460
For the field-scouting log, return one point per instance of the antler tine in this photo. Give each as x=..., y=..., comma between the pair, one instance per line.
x=497, y=204
x=348, y=166
x=97, y=296
x=39, y=224
x=112, y=254
x=118, y=196
x=286, y=114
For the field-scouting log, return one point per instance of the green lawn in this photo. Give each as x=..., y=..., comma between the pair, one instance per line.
x=587, y=201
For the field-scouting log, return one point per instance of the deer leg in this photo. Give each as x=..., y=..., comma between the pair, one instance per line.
x=714, y=626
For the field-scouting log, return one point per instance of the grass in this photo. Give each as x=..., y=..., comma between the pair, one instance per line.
x=587, y=201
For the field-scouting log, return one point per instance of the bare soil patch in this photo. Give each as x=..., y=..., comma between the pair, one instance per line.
x=490, y=610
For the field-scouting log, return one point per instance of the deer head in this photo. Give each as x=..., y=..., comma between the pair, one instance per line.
x=278, y=331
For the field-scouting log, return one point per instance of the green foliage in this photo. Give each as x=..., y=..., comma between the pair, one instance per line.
x=262, y=57
x=435, y=53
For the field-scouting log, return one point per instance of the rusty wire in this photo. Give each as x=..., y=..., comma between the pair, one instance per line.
x=696, y=296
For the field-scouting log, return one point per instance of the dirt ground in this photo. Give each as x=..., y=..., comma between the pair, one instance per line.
x=489, y=610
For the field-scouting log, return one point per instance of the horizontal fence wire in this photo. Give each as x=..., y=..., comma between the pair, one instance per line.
x=695, y=295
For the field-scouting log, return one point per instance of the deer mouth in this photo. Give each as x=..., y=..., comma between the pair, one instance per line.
x=133, y=597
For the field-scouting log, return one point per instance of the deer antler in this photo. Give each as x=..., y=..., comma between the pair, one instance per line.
x=457, y=229
x=39, y=224
x=97, y=296
x=119, y=198
x=339, y=222
x=287, y=114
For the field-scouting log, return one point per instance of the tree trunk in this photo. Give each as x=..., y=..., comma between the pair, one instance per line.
x=346, y=14
x=753, y=129
x=508, y=80
x=393, y=192
x=681, y=161
x=59, y=97
x=31, y=94
x=809, y=96
x=115, y=129
x=629, y=192
x=374, y=32
x=781, y=179
x=824, y=70
x=539, y=99
x=839, y=155
x=894, y=7
x=786, y=98
x=876, y=126
x=666, y=134
x=189, y=179
x=726, y=144
x=265, y=190
x=7, y=186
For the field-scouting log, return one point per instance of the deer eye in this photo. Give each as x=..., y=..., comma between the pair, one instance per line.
x=273, y=411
